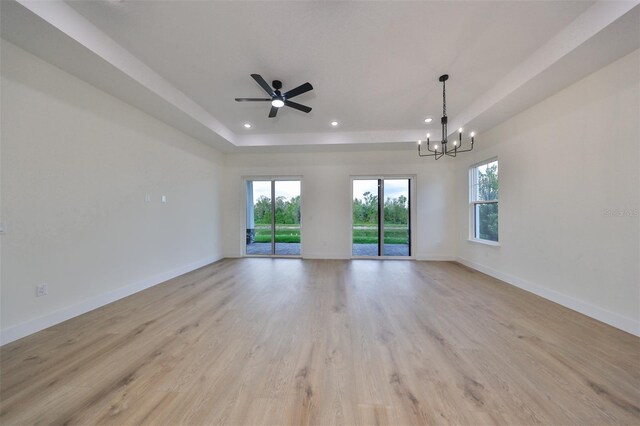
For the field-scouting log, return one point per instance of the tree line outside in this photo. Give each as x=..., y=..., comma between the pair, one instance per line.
x=287, y=219
x=365, y=211
x=365, y=220
x=365, y=215
x=287, y=211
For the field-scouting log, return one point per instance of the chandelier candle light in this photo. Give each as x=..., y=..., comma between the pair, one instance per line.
x=441, y=148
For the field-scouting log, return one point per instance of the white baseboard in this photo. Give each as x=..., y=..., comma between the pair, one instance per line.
x=342, y=256
x=32, y=326
x=417, y=256
x=629, y=325
x=435, y=257
x=327, y=256
x=26, y=328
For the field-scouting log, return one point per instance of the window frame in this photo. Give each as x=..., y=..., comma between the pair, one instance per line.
x=474, y=202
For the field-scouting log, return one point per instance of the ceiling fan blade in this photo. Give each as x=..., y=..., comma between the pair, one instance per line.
x=273, y=112
x=297, y=106
x=252, y=99
x=258, y=78
x=303, y=88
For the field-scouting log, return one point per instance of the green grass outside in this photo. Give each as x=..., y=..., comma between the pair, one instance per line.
x=284, y=233
x=366, y=233
x=362, y=234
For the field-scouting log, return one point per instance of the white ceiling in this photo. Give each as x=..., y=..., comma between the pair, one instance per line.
x=374, y=65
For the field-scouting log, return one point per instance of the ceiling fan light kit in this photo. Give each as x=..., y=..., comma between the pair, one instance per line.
x=443, y=144
x=277, y=98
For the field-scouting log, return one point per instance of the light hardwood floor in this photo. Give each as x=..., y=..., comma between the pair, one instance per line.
x=289, y=341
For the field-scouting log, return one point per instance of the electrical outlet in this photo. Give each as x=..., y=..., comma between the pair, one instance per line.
x=147, y=198
x=164, y=198
x=42, y=289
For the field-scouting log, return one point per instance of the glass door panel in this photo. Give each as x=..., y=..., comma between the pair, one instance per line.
x=259, y=212
x=366, y=218
x=287, y=217
x=397, y=232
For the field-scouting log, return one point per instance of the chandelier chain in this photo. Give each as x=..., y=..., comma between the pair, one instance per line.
x=444, y=100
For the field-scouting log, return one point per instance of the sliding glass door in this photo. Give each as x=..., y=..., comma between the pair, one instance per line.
x=259, y=235
x=287, y=217
x=381, y=217
x=396, y=229
x=273, y=217
x=366, y=217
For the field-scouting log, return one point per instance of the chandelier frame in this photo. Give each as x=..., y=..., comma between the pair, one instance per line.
x=457, y=144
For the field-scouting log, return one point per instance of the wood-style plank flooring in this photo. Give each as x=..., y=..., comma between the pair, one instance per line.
x=290, y=341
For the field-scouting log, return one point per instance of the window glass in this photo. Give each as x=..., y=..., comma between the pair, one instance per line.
x=484, y=200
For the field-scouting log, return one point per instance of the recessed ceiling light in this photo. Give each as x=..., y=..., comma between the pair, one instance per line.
x=247, y=125
x=428, y=120
x=334, y=123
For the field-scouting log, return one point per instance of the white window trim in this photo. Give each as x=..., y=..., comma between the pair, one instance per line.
x=485, y=242
x=472, y=205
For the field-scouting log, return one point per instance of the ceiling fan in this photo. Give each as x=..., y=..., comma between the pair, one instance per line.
x=278, y=99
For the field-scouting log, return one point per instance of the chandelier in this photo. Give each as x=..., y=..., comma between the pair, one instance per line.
x=442, y=148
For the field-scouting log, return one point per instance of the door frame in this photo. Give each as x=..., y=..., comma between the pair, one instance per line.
x=412, y=213
x=272, y=179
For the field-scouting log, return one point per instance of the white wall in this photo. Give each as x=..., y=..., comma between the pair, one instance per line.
x=563, y=164
x=76, y=165
x=326, y=197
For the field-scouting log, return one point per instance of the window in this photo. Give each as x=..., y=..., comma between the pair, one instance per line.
x=484, y=201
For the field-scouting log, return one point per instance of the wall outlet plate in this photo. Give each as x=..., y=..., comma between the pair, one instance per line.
x=164, y=198
x=42, y=289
